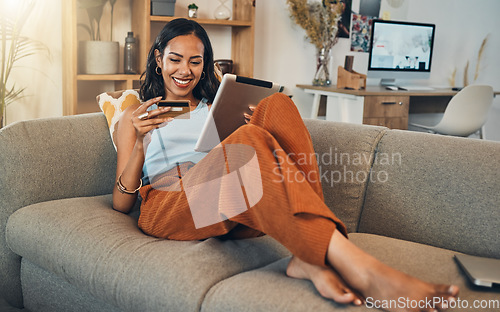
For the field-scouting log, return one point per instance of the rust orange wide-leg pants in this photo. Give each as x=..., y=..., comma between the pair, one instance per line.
x=291, y=209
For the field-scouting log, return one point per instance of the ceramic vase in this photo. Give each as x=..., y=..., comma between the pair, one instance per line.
x=222, y=12
x=99, y=57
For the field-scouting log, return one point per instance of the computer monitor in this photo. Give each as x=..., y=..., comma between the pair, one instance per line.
x=400, y=50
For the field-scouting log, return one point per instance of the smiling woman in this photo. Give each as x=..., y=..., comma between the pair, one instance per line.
x=180, y=66
x=180, y=62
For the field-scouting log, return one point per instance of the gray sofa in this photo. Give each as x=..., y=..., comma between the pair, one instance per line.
x=411, y=199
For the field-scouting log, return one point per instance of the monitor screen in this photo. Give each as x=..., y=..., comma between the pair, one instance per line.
x=400, y=50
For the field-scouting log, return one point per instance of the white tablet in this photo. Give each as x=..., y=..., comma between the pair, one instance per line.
x=234, y=96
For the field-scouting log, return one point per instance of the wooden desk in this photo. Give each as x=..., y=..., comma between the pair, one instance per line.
x=376, y=105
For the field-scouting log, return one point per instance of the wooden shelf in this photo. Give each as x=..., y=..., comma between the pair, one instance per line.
x=78, y=88
x=116, y=77
x=242, y=27
x=231, y=23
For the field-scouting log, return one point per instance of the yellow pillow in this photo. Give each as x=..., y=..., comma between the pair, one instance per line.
x=113, y=104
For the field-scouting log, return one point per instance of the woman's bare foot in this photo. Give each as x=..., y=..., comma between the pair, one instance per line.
x=326, y=281
x=379, y=283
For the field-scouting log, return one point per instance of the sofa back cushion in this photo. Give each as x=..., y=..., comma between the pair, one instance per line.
x=345, y=153
x=438, y=190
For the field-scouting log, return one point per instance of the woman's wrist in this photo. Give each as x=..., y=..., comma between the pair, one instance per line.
x=139, y=145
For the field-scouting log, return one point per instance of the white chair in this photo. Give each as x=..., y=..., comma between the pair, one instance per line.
x=466, y=112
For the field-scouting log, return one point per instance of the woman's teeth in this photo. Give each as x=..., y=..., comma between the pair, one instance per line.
x=183, y=82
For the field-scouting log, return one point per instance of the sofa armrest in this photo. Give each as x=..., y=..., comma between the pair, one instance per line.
x=49, y=159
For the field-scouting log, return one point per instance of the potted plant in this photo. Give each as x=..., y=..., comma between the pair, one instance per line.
x=14, y=47
x=193, y=10
x=96, y=55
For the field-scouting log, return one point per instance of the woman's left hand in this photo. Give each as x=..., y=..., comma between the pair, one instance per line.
x=249, y=116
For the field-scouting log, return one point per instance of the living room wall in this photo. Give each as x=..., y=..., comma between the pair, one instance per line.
x=41, y=73
x=282, y=54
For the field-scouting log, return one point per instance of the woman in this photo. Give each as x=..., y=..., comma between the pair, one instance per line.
x=180, y=67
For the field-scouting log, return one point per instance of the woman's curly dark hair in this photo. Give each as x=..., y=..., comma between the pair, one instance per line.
x=153, y=84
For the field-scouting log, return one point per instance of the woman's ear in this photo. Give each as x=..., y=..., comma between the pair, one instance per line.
x=158, y=57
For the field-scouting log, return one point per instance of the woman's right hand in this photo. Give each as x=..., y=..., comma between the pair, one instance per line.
x=132, y=138
x=144, y=121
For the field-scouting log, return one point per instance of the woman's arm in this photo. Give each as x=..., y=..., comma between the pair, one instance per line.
x=130, y=146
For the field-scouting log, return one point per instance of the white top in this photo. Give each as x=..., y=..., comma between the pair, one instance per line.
x=174, y=143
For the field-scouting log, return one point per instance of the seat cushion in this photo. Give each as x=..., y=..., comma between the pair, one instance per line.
x=268, y=289
x=103, y=252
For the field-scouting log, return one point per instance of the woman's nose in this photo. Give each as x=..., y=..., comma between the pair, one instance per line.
x=184, y=68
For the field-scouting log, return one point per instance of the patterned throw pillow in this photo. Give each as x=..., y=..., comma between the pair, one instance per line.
x=113, y=104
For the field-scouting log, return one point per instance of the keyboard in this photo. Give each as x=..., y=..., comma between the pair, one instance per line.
x=415, y=88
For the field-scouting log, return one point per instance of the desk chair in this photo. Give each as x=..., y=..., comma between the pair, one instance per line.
x=466, y=112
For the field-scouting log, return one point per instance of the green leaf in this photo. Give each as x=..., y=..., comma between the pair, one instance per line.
x=14, y=47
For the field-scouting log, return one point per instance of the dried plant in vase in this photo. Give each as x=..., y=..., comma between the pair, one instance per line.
x=320, y=21
x=452, y=79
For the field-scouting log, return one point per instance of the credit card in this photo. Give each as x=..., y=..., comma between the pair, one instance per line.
x=178, y=109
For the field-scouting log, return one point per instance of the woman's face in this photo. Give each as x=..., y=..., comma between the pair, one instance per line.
x=181, y=66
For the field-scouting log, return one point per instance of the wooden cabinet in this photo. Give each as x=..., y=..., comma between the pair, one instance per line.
x=389, y=111
x=74, y=98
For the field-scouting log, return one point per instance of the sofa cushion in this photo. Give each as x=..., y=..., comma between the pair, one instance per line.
x=436, y=190
x=345, y=155
x=250, y=291
x=47, y=292
x=103, y=252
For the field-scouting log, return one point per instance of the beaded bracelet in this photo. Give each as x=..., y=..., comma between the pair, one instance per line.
x=124, y=190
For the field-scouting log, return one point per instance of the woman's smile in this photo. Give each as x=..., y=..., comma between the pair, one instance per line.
x=182, y=82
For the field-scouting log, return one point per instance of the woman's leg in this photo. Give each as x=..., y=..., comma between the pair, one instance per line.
x=374, y=279
x=290, y=182
x=357, y=270
x=279, y=116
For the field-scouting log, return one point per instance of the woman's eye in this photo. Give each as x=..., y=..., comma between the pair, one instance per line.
x=195, y=62
x=174, y=60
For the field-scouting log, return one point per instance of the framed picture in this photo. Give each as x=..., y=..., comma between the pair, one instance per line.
x=360, y=37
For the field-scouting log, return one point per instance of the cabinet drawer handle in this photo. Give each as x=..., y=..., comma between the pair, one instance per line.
x=392, y=103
